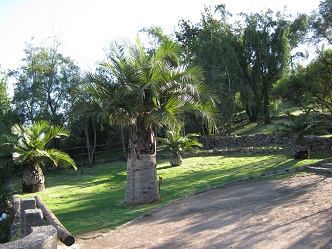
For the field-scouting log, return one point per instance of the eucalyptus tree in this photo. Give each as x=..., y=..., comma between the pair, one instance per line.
x=146, y=89
x=4, y=97
x=265, y=43
x=211, y=44
x=322, y=21
x=85, y=114
x=5, y=100
x=310, y=86
x=43, y=84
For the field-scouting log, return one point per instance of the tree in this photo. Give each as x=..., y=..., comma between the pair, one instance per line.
x=84, y=118
x=321, y=21
x=4, y=98
x=44, y=83
x=265, y=43
x=300, y=126
x=146, y=89
x=310, y=86
x=175, y=142
x=211, y=44
x=7, y=116
x=30, y=150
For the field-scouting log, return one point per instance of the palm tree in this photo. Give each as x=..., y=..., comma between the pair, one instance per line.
x=30, y=150
x=144, y=89
x=176, y=143
x=300, y=126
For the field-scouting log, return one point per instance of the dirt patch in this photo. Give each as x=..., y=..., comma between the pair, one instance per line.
x=292, y=213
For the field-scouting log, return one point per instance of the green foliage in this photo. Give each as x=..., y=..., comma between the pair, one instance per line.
x=211, y=44
x=43, y=84
x=149, y=87
x=303, y=125
x=31, y=145
x=4, y=98
x=265, y=44
x=4, y=208
x=175, y=142
x=310, y=86
x=322, y=21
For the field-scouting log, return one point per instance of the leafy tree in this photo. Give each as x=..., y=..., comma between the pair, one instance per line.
x=175, y=142
x=322, y=21
x=85, y=115
x=44, y=83
x=30, y=150
x=265, y=45
x=4, y=98
x=310, y=86
x=7, y=118
x=146, y=89
x=300, y=126
x=211, y=44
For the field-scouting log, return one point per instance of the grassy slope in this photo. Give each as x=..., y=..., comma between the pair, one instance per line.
x=94, y=199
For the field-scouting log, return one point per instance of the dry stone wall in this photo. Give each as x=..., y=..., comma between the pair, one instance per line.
x=28, y=225
x=316, y=143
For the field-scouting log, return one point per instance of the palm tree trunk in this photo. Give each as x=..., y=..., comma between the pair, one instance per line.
x=142, y=184
x=33, y=179
x=301, y=152
x=176, y=160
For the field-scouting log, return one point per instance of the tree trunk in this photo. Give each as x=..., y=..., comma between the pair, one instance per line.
x=33, y=179
x=123, y=142
x=301, y=152
x=252, y=115
x=90, y=148
x=176, y=160
x=266, y=108
x=142, y=184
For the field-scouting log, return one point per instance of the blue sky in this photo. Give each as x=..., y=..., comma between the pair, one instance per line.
x=86, y=27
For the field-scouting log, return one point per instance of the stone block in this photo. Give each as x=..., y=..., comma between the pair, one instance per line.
x=26, y=203
x=32, y=218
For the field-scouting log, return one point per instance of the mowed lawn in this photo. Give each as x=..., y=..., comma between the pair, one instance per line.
x=94, y=199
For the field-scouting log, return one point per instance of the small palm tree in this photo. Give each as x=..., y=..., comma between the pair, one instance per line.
x=31, y=151
x=300, y=126
x=176, y=143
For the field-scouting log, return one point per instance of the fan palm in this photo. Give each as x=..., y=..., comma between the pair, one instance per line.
x=30, y=149
x=176, y=143
x=300, y=126
x=144, y=89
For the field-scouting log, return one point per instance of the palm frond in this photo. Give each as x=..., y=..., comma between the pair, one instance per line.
x=30, y=146
x=142, y=83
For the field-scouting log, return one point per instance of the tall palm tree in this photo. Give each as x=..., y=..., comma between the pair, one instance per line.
x=30, y=149
x=144, y=89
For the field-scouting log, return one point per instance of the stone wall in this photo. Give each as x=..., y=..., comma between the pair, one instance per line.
x=316, y=143
x=32, y=232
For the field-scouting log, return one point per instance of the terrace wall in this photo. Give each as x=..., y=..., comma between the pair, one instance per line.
x=316, y=143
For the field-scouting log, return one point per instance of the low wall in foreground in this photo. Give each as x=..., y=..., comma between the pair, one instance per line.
x=28, y=226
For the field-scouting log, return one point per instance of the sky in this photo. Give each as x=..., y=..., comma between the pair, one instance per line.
x=86, y=27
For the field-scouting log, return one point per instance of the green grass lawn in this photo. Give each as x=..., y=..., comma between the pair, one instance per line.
x=255, y=128
x=94, y=200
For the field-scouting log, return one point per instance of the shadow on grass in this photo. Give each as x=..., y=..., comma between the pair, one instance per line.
x=94, y=200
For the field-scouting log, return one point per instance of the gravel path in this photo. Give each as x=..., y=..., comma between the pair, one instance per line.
x=293, y=212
